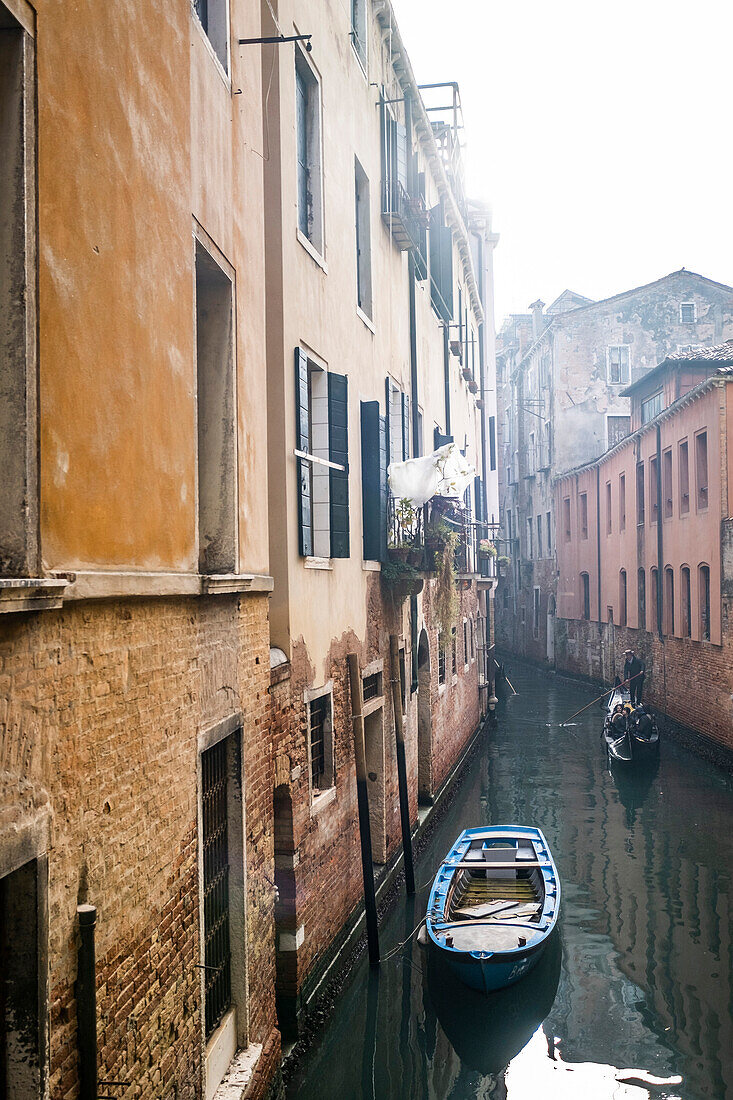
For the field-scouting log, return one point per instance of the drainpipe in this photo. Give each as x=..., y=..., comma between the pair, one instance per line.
x=660, y=535
x=446, y=376
x=86, y=1004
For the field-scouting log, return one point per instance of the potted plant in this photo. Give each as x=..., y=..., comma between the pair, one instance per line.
x=401, y=578
x=445, y=599
x=402, y=546
x=486, y=549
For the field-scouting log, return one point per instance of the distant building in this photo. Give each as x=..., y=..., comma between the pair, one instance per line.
x=563, y=375
x=644, y=545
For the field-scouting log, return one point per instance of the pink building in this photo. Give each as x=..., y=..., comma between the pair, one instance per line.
x=642, y=539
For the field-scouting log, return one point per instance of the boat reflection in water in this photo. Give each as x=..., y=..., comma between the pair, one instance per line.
x=634, y=784
x=486, y=1032
x=540, y=1070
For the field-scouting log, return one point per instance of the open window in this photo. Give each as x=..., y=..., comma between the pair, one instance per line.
x=322, y=453
x=213, y=15
x=363, y=241
x=359, y=30
x=320, y=740
x=618, y=364
x=308, y=152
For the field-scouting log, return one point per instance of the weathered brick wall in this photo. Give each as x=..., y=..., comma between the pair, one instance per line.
x=100, y=709
x=688, y=680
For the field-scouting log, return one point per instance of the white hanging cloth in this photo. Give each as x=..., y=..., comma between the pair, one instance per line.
x=444, y=473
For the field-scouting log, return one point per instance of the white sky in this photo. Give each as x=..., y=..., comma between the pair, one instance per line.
x=599, y=130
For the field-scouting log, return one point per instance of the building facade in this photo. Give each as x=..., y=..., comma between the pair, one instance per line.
x=237, y=280
x=563, y=373
x=379, y=290
x=643, y=548
x=134, y=556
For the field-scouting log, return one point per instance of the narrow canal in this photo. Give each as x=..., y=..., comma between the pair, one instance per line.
x=632, y=999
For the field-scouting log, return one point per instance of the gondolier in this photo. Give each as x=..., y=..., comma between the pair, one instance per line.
x=634, y=671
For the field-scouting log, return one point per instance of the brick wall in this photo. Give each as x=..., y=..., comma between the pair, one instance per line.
x=100, y=709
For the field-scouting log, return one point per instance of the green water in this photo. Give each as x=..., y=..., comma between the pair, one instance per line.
x=638, y=981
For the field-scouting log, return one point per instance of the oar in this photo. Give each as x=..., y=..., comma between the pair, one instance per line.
x=605, y=693
x=511, y=685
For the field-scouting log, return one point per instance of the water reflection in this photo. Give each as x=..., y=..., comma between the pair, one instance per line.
x=487, y=1032
x=645, y=945
x=634, y=785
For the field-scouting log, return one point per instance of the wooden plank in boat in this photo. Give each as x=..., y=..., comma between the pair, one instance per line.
x=479, y=865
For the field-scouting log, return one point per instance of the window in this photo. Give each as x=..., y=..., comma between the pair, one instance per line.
x=549, y=533
x=618, y=363
x=545, y=446
x=622, y=502
x=492, y=442
x=640, y=494
x=684, y=474
x=536, y=613
x=222, y=882
x=215, y=373
x=529, y=537
x=539, y=536
x=320, y=735
x=465, y=642
x=701, y=470
x=509, y=524
x=669, y=600
x=703, y=580
x=441, y=658
x=622, y=598
x=398, y=421
x=473, y=641
x=372, y=685
x=308, y=148
x=359, y=29
x=653, y=598
x=322, y=452
x=363, y=242
x=566, y=518
x=685, y=602
x=688, y=313
x=214, y=18
x=641, y=597
x=653, y=490
x=453, y=652
x=651, y=407
x=609, y=515
x=585, y=594
x=618, y=428
x=441, y=265
x=583, y=502
x=667, y=483
x=374, y=489
x=688, y=349
x=19, y=551
x=531, y=454
x=23, y=996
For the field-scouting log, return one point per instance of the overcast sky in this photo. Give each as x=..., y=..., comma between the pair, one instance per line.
x=599, y=131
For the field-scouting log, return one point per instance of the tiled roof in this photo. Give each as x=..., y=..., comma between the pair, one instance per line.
x=719, y=353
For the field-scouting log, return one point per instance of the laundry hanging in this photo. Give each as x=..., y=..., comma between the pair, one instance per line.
x=444, y=473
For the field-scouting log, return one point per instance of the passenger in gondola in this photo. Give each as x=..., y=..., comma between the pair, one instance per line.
x=634, y=671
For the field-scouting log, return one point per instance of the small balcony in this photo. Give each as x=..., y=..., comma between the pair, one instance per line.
x=407, y=219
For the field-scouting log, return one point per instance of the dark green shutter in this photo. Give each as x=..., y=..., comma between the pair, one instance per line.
x=302, y=443
x=338, y=451
x=441, y=266
x=400, y=166
x=478, y=497
x=374, y=481
x=405, y=425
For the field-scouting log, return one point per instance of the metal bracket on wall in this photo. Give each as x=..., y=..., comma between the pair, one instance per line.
x=276, y=39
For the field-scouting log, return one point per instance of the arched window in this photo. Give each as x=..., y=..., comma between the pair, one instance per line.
x=641, y=598
x=622, y=598
x=669, y=600
x=703, y=580
x=685, y=602
x=653, y=596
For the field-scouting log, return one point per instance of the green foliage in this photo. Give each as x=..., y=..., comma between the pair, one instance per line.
x=396, y=572
x=446, y=596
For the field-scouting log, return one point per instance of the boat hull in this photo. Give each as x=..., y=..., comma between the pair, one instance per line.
x=489, y=952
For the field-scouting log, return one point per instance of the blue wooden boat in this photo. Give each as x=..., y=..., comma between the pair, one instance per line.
x=493, y=905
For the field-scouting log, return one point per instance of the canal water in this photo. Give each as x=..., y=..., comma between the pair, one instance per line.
x=634, y=995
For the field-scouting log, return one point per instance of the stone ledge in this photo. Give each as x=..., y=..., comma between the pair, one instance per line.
x=238, y=1076
x=214, y=584
x=31, y=593
x=90, y=585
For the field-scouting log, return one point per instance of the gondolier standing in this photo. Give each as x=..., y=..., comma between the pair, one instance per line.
x=634, y=670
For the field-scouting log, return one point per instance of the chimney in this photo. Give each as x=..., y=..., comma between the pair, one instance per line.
x=538, y=320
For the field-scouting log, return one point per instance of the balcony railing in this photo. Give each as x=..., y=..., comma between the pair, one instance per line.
x=407, y=218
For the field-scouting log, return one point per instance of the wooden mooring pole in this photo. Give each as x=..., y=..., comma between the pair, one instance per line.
x=394, y=661
x=370, y=902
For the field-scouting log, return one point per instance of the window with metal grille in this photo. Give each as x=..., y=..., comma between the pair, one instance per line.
x=217, y=960
x=372, y=686
x=454, y=652
x=441, y=658
x=320, y=743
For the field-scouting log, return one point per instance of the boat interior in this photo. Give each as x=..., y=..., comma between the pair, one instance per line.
x=497, y=905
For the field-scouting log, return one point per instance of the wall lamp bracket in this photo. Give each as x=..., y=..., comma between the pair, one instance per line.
x=276, y=39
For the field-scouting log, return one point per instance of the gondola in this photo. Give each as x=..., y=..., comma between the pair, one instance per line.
x=630, y=733
x=493, y=905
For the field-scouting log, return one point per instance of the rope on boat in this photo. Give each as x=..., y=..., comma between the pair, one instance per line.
x=399, y=946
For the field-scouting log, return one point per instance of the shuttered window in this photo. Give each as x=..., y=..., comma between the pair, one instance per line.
x=374, y=481
x=398, y=421
x=394, y=162
x=322, y=455
x=441, y=266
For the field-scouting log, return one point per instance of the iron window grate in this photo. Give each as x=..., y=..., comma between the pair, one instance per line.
x=319, y=714
x=217, y=958
x=372, y=686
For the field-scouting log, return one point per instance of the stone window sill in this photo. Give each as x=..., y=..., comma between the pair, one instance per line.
x=312, y=251
x=322, y=799
x=32, y=593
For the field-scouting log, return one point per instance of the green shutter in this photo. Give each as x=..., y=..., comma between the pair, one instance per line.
x=374, y=481
x=405, y=426
x=302, y=443
x=478, y=497
x=338, y=451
